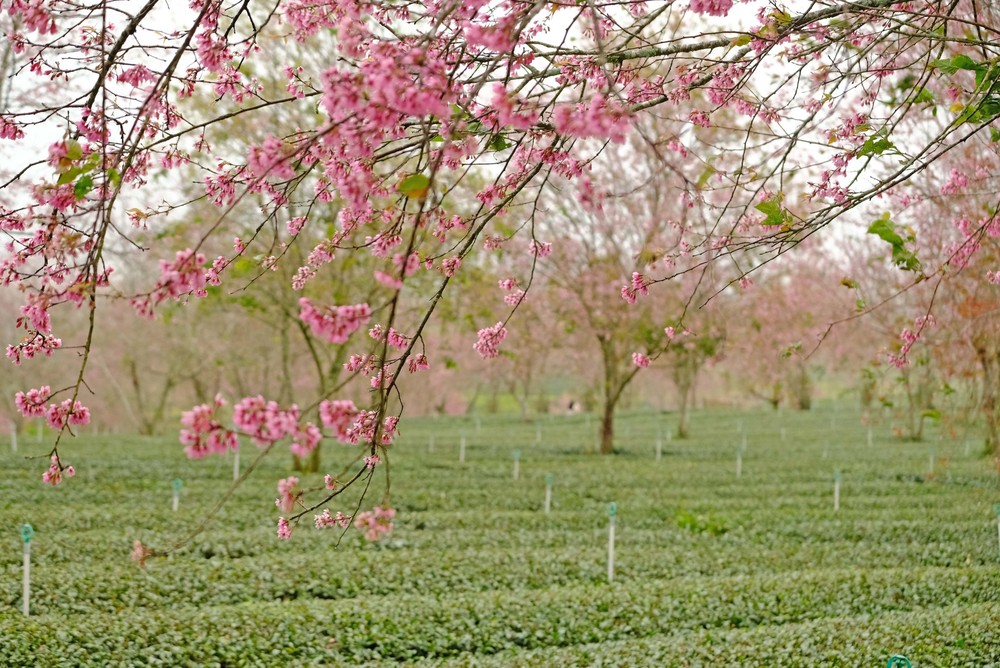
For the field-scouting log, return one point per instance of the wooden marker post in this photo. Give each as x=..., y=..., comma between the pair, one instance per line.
x=461, y=450
x=176, y=502
x=612, y=512
x=517, y=464
x=13, y=437
x=548, y=493
x=836, y=491
x=26, y=533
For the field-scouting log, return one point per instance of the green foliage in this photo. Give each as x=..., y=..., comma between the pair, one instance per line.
x=754, y=570
x=952, y=65
x=987, y=75
x=83, y=186
x=700, y=523
x=774, y=213
x=877, y=144
x=892, y=234
x=414, y=186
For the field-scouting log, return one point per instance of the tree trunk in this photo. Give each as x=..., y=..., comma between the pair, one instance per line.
x=803, y=387
x=989, y=359
x=608, y=427
x=684, y=413
x=611, y=394
x=685, y=372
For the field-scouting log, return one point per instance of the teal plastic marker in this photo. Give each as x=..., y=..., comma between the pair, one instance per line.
x=26, y=534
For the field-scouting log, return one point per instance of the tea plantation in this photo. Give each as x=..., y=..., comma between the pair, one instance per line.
x=711, y=568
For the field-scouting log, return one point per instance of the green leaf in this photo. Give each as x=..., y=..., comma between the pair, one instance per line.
x=706, y=175
x=742, y=40
x=91, y=163
x=888, y=231
x=923, y=96
x=498, y=143
x=984, y=112
x=69, y=176
x=775, y=215
x=114, y=177
x=994, y=134
x=83, y=186
x=875, y=145
x=414, y=186
x=73, y=150
x=885, y=230
x=956, y=63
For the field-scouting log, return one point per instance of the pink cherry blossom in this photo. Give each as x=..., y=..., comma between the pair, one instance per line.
x=640, y=360
x=489, y=341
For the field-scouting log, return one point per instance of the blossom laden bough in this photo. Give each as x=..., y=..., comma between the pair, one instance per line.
x=438, y=130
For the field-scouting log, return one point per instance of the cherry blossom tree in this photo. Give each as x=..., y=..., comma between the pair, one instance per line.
x=432, y=131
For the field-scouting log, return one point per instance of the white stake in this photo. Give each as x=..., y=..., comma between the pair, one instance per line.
x=670, y=435
x=836, y=491
x=461, y=450
x=26, y=533
x=930, y=462
x=659, y=449
x=869, y=436
x=548, y=492
x=13, y=438
x=517, y=464
x=739, y=464
x=612, y=511
x=236, y=465
x=176, y=502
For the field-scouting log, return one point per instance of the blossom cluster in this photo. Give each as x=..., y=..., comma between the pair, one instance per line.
x=376, y=522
